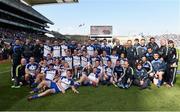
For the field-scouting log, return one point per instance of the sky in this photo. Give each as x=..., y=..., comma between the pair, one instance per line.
x=128, y=17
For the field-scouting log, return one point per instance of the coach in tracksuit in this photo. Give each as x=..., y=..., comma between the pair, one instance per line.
x=27, y=49
x=153, y=44
x=131, y=53
x=171, y=63
x=16, y=56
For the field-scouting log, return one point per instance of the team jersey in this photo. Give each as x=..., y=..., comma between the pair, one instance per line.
x=69, y=60
x=50, y=74
x=99, y=70
x=49, y=60
x=158, y=65
x=114, y=58
x=106, y=48
x=32, y=68
x=122, y=60
x=56, y=51
x=147, y=66
x=119, y=70
x=105, y=59
x=76, y=60
x=94, y=59
x=141, y=74
x=47, y=50
x=90, y=50
x=66, y=82
x=150, y=56
x=109, y=71
x=63, y=71
x=43, y=69
x=84, y=61
x=63, y=49
x=141, y=51
x=93, y=76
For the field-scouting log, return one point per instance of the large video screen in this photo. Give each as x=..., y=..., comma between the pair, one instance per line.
x=101, y=30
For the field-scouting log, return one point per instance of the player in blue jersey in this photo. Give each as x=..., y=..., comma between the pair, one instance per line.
x=159, y=67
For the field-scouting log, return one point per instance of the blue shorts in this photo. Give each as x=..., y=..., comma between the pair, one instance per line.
x=53, y=85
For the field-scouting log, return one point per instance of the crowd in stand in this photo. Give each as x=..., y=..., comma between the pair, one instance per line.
x=53, y=67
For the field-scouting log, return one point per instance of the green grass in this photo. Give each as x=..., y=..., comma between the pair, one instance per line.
x=101, y=98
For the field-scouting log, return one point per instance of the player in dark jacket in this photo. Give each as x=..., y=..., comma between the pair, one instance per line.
x=171, y=64
x=153, y=44
x=16, y=56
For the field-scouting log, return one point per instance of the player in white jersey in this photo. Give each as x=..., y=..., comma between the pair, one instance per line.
x=47, y=48
x=76, y=63
x=64, y=69
x=114, y=57
x=62, y=85
x=56, y=50
x=68, y=58
x=108, y=77
x=31, y=71
x=64, y=48
x=94, y=58
x=90, y=48
x=84, y=59
x=90, y=79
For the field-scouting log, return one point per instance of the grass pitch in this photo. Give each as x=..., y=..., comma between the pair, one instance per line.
x=101, y=98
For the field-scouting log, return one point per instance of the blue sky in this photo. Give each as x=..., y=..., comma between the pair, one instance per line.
x=128, y=17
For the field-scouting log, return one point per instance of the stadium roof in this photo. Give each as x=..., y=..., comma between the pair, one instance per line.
x=37, y=2
x=26, y=9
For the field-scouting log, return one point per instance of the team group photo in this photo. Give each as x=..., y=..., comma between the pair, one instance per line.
x=91, y=66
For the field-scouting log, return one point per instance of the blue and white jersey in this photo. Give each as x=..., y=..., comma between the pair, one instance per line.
x=56, y=51
x=69, y=60
x=114, y=58
x=63, y=50
x=66, y=82
x=147, y=66
x=76, y=60
x=105, y=59
x=43, y=69
x=32, y=68
x=141, y=51
x=93, y=76
x=57, y=67
x=141, y=74
x=106, y=48
x=50, y=74
x=84, y=61
x=122, y=60
x=47, y=50
x=63, y=71
x=94, y=59
x=158, y=65
x=49, y=60
x=90, y=50
x=109, y=71
x=99, y=70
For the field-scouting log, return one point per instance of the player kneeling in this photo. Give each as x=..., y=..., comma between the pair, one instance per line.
x=62, y=85
x=141, y=77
